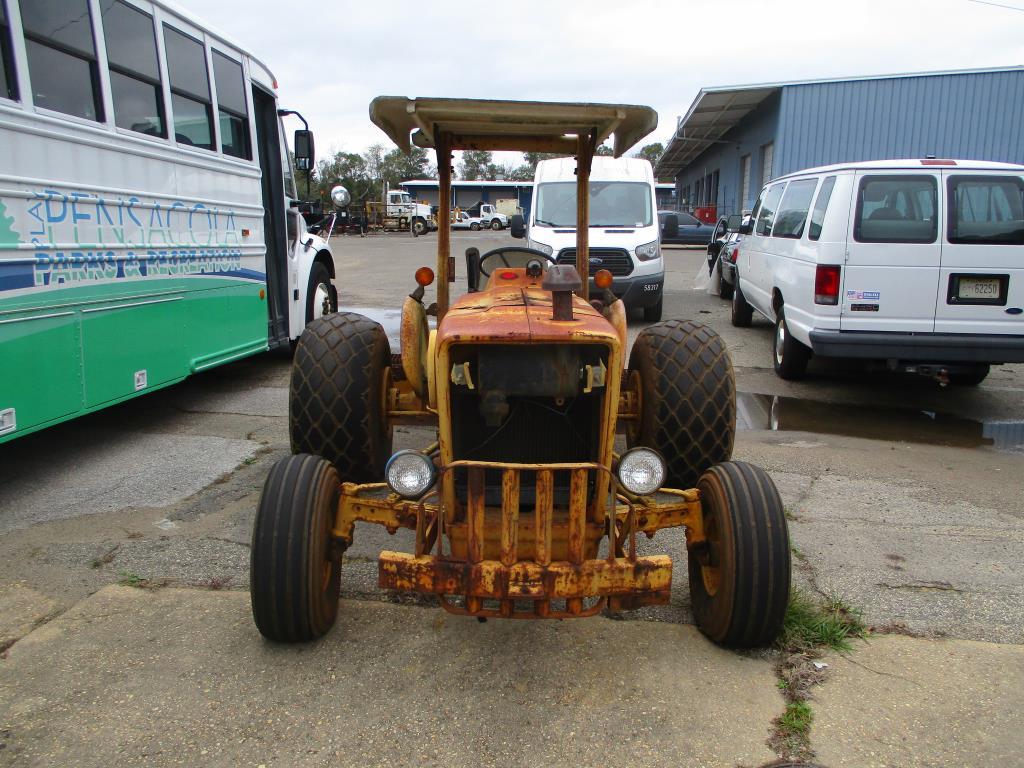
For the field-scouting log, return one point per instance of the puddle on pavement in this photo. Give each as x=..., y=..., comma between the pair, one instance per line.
x=788, y=414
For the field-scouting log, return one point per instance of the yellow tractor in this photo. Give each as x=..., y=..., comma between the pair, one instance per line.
x=521, y=508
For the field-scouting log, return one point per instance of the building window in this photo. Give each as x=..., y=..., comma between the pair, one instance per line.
x=190, y=89
x=134, y=69
x=820, y=206
x=766, y=217
x=792, y=215
x=8, y=83
x=231, y=107
x=744, y=183
x=61, y=56
x=896, y=209
x=767, y=155
x=986, y=210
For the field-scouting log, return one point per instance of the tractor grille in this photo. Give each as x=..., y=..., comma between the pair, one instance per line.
x=615, y=260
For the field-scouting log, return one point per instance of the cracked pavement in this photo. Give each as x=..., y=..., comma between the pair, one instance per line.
x=925, y=538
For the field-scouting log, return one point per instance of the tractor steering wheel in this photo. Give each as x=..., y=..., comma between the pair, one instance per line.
x=528, y=255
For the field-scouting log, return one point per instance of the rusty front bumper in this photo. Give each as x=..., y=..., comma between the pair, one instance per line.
x=501, y=561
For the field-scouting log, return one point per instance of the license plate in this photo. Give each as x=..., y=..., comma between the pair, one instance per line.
x=979, y=288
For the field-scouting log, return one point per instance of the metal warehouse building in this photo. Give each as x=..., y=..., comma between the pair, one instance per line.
x=733, y=139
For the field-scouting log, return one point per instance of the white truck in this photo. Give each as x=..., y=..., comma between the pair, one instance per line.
x=397, y=211
x=489, y=216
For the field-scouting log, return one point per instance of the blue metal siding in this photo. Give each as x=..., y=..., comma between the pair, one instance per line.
x=973, y=116
x=746, y=138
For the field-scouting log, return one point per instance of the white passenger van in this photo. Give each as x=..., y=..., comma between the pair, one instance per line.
x=623, y=225
x=916, y=263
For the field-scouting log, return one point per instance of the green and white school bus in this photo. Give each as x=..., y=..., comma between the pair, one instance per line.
x=148, y=227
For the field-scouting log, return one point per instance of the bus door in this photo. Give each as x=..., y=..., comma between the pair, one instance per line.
x=274, y=224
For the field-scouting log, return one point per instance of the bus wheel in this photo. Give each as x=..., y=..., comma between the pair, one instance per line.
x=295, y=565
x=336, y=397
x=740, y=574
x=688, y=398
x=320, y=299
x=419, y=227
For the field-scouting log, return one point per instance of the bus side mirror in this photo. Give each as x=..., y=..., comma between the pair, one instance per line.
x=304, y=153
x=671, y=226
x=340, y=196
x=473, y=269
x=517, y=227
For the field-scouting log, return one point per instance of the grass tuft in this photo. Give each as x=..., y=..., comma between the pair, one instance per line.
x=811, y=624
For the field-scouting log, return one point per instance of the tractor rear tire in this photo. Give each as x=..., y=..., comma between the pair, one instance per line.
x=295, y=567
x=739, y=582
x=336, y=397
x=688, y=398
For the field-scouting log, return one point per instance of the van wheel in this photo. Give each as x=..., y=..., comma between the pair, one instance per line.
x=789, y=356
x=740, y=578
x=652, y=314
x=336, y=398
x=970, y=378
x=496, y=224
x=688, y=398
x=295, y=566
x=742, y=312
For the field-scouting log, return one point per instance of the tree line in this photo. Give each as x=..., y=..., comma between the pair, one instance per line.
x=365, y=174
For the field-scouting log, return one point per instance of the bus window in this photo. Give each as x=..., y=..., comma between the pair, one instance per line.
x=231, y=109
x=61, y=56
x=134, y=70
x=190, y=89
x=8, y=84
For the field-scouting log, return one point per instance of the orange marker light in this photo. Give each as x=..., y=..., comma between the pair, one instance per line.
x=424, y=276
x=262, y=294
x=603, y=278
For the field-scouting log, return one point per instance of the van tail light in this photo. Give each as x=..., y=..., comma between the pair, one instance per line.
x=734, y=255
x=826, y=284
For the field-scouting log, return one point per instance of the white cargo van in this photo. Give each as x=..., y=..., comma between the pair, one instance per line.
x=623, y=225
x=917, y=263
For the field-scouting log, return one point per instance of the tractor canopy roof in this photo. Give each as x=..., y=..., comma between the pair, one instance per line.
x=524, y=126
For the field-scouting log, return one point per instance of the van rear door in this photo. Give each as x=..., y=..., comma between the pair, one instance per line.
x=893, y=253
x=982, y=272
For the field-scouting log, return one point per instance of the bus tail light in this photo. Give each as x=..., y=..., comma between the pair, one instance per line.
x=826, y=284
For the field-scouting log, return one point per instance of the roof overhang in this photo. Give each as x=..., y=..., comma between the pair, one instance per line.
x=713, y=113
x=524, y=126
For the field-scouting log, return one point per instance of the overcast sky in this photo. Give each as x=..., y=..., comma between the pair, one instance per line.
x=331, y=57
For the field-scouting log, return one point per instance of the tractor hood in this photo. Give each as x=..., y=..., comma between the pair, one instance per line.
x=521, y=313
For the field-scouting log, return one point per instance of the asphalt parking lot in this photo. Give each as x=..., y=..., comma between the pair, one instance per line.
x=126, y=637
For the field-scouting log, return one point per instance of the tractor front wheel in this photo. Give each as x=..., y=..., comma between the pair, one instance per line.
x=336, y=397
x=740, y=575
x=687, y=398
x=295, y=566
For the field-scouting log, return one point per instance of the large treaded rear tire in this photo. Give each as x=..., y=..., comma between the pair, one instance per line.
x=335, y=401
x=688, y=398
x=739, y=586
x=295, y=569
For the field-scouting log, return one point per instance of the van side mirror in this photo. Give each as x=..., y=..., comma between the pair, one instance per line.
x=517, y=227
x=304, y=154
x=746, y=227
x=473, y=269
x=671, y=226
x=734, y=222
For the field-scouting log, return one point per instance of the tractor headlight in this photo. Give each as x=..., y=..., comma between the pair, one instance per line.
x=410, y=474
x=641, y=471
x=648, y=251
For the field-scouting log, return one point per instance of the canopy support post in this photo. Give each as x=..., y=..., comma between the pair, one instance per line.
x=444, y=188
x=586, y=144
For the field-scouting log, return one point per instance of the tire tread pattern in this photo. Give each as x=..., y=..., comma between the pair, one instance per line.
x=688, y=398
x=750, y=607
x=335, y=407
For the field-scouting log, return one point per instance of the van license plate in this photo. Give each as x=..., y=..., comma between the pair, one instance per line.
x=979, y=288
